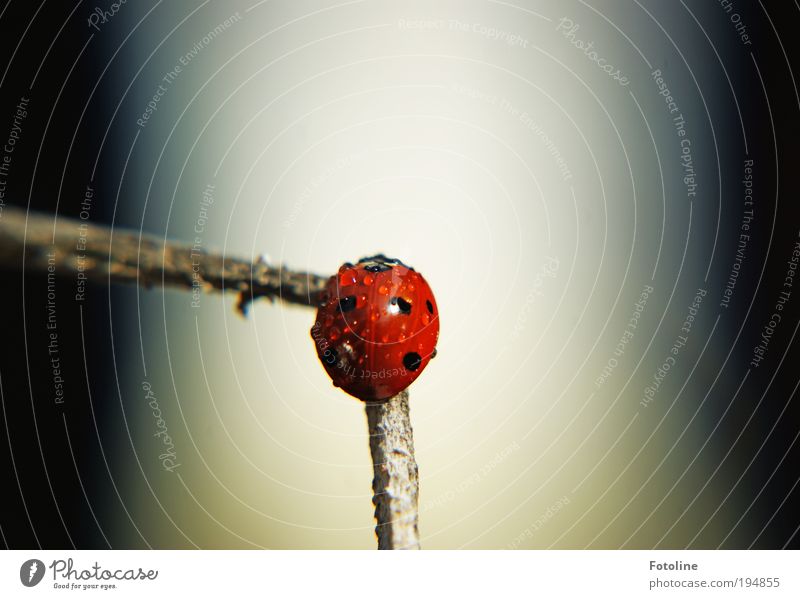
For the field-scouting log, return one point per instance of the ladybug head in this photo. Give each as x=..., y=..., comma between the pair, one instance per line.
x=379, y=263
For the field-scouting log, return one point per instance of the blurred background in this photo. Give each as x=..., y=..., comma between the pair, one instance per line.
x=601, y=195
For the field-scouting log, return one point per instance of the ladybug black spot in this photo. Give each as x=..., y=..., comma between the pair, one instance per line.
x=412, y=360
x=430, y=306
x=347, y=303
x=403, y=305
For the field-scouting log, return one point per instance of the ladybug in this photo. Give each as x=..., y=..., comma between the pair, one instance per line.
x=376, y=328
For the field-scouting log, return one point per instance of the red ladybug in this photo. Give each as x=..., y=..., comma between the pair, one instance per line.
x=377, y=327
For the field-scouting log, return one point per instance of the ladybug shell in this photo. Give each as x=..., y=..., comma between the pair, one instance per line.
x=376, y=328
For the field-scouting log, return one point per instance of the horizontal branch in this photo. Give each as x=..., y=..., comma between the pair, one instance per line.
x=125, y=256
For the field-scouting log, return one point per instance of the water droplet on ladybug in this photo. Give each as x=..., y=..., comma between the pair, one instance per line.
x=361, y=301
x=328, y=320
x=334, y=333
x=347, y=277
x=374, y=315
x=425, y=319
x=368, y=280
x=383, y=290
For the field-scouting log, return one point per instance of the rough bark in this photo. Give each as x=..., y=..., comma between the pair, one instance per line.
x=124, y=256
x=396, y=477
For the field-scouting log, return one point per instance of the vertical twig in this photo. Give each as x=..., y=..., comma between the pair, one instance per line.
x=396, y=477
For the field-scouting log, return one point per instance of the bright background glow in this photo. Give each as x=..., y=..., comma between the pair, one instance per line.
x=537, y=196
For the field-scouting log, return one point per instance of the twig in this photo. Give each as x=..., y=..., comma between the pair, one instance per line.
x=396, y=478
x=77, y=248
x=146, y=260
